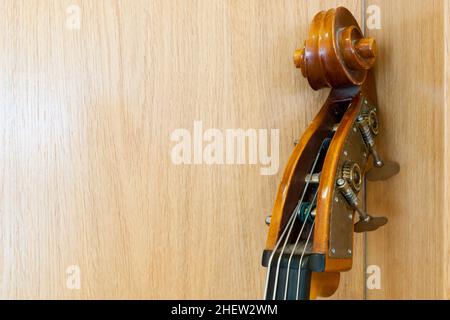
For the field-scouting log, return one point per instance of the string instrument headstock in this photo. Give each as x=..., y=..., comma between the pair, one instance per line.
x=318, y=204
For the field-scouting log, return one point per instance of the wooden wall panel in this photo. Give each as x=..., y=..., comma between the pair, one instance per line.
x=85, y=120
x=412, y=251
x=446, y=221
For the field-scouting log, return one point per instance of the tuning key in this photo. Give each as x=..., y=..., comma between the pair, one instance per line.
x=370, y=224
x=369, y=127
x=388, y=170
x=366, y=222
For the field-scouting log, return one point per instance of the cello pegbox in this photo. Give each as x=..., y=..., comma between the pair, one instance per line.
x=336, y=54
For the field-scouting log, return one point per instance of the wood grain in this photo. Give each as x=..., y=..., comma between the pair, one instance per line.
x=85, y=173
x=446, y=222
x=412, y=251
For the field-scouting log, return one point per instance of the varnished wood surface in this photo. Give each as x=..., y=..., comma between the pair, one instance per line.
x=299, y=165
x=413, y=78
x=85, y=122
x=335, y=54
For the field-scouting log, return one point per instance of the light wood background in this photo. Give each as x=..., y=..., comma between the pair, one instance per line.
x=85, y=120
x=413, y=79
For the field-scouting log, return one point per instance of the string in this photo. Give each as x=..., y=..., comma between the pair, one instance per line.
x=297, y=243
x=301, y=259
x=289, y=227
x=279, y=259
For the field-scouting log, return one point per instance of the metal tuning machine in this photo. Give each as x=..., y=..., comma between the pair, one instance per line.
x=382, y=170
x=350, y=180
x=366, y=222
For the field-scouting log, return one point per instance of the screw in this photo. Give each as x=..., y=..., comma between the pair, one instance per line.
x=333, y=250
x=350, y=216
x=268, y=220
x=336, y=127
x=349, y=251
x=314, y=179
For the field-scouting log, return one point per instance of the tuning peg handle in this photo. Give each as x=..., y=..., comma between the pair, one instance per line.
x=385, y=172
x=370, y=224
x=366, y=222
